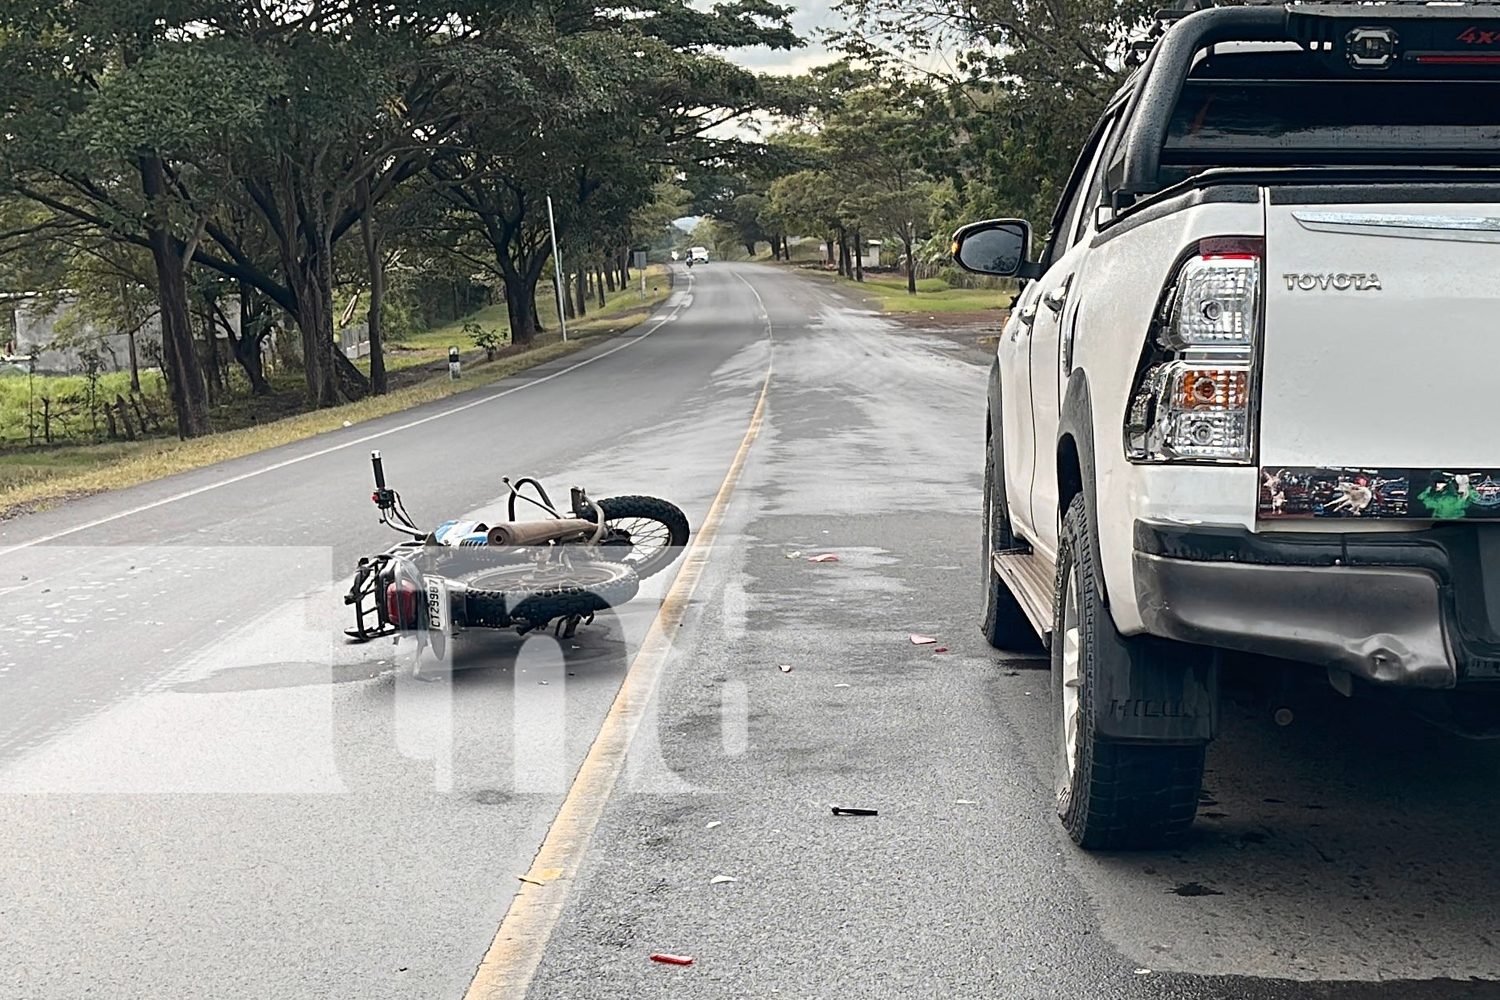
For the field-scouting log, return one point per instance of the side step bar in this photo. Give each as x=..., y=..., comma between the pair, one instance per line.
x=1032, y=579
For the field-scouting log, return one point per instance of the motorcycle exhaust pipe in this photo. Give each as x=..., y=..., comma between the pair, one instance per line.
x=518, y=533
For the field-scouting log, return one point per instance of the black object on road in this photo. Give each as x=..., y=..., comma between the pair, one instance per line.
x=852, y=811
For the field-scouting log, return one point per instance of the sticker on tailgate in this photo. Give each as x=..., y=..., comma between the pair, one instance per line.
x=1416, y=494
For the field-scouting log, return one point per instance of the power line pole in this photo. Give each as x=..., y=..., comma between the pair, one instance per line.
x=557, y=269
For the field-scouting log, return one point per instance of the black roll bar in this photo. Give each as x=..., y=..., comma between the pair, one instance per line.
x=1165, y=71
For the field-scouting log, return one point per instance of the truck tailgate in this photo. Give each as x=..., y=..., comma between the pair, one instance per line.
x=1380, y=385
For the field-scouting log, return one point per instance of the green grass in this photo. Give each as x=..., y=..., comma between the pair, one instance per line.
x=934, y=295
x=34, y=478
x=68, y=394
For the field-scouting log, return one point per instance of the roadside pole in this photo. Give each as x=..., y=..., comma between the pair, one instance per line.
x=562, y=321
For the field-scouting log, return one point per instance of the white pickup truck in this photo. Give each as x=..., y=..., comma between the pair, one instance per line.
x=1246, y=398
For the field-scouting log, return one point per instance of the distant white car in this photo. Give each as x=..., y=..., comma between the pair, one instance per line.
x=698, y=255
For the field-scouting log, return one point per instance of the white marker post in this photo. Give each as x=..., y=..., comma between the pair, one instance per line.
x=562, y=321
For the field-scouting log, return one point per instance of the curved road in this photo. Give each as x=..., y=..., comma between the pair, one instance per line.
x=205, y=792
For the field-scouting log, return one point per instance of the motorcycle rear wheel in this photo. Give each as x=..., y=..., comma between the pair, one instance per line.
x=532, y=595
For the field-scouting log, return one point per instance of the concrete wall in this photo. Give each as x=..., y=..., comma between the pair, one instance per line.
x=36, y=333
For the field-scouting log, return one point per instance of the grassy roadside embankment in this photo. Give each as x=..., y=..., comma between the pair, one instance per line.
x=934, y=295
x=35, y=479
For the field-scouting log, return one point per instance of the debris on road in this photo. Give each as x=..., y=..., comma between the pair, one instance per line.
x=1143, y=972
x=794, y=555
x=965, y=802
x=853, y=811
x=825, y=557
x=841, y=685
x=671, y=959
x=721, y=879
x=717, y=822
x=941, y=649
x=785, y=668
x=921, y=640
x=530, y=881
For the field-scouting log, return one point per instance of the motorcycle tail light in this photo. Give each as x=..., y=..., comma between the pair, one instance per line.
x=401, y=602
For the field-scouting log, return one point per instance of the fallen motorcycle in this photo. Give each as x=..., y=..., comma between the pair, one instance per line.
x=559, y=570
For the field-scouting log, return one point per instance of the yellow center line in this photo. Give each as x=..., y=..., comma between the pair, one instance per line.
x=512, y=958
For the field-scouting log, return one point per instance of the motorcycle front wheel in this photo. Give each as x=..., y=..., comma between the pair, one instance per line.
x=645, y=533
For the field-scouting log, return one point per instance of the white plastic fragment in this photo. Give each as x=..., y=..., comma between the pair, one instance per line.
x=717, y=822
x=721, y=879
x=921, y=640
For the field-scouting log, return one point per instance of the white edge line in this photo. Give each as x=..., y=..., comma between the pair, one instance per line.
x=347, y=444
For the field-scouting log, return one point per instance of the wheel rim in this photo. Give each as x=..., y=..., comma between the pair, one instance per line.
x=525, y=579
x=649, y=538
x=1072, y=674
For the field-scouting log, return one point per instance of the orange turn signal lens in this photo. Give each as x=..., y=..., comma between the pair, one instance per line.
x=1213, y=388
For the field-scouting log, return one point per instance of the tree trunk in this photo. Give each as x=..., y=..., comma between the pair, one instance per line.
x=135, y=328
x=135, y=363
x=247, y=347
x=828, y=257
x=582, y=308
x=609, y=278
x=310, y=249
x=375, y=258
x=911, y=267
x=859, y=257
x=844, y=269
x=522, y=312
x=214, y=378
x=179, y=356
x=520, y=298
x=624, y=269
x=750, y=246
x=599, y=286
x=565, y=292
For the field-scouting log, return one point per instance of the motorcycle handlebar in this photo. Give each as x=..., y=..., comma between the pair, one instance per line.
x=379, y=470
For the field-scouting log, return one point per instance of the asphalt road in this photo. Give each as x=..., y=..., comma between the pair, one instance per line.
x=205, y=792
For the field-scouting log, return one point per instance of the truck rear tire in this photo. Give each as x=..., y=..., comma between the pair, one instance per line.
x=1111, y=796
x=1005, y=625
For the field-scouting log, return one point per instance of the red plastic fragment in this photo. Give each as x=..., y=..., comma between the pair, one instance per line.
x=941, y=649
x=671, y=959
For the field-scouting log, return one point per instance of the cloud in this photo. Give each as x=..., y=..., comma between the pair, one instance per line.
x=807, y=20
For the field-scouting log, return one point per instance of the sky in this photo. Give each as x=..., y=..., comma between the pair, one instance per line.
x=809, y=17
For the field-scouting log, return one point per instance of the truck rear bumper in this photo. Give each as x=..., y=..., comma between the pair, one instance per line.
x=1411, y=609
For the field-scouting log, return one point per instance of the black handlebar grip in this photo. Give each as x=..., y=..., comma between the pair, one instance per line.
x=379, y=470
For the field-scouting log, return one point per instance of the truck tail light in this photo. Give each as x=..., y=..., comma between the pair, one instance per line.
x=1195, y=386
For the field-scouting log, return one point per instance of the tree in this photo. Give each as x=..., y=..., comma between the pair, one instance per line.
x=1029, y=81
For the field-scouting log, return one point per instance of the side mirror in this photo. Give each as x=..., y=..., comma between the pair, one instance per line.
x=999, y=247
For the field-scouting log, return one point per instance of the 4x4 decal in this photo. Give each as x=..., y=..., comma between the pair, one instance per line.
x=1474, y=35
